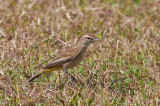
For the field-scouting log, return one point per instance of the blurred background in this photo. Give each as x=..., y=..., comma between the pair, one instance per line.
x=122, y=69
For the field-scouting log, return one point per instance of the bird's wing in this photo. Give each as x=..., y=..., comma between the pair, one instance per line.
x=58, y=62
x=63, y=57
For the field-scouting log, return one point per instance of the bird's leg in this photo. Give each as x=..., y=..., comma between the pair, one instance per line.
x=62, y=81
x=73, y=77
x=69, y=74
x=48, y=79
x=63, y=78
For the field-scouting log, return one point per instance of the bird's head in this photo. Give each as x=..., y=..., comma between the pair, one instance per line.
x=88, y=39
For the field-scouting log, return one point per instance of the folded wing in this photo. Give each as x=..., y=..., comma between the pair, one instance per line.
x=58, y=62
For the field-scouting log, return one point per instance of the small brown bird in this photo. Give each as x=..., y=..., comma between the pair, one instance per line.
x=70, y=57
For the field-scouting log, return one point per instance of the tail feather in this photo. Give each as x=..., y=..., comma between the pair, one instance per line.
x=43, y=71
x=34, y=77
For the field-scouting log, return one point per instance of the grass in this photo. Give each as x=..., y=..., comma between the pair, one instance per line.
x=122, y=69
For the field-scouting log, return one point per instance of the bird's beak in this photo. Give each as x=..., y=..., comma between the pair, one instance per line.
x=96, y=39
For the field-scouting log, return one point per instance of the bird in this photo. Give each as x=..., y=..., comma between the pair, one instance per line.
x=69, y=58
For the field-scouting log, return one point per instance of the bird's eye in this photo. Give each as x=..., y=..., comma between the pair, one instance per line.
x=89, y=38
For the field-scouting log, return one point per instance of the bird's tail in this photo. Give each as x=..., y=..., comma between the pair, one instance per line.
x=43, y=71
x=35, y=76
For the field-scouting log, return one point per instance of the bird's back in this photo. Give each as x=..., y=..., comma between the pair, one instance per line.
x=71, y=54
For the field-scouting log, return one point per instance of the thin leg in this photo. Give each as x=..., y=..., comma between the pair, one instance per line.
x=63, y=79
x=69, y=74
x=61, y=86
x=48, y=80
x=73, y=77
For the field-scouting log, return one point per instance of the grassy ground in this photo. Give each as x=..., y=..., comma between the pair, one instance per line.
x=122, y=69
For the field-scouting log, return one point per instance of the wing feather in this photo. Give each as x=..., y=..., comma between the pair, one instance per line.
x=57, y=62
x=63, y=57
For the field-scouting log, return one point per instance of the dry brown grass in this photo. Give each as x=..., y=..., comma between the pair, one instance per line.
x=123, y=69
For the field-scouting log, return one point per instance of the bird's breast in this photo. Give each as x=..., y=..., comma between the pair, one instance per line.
x=77, y=59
